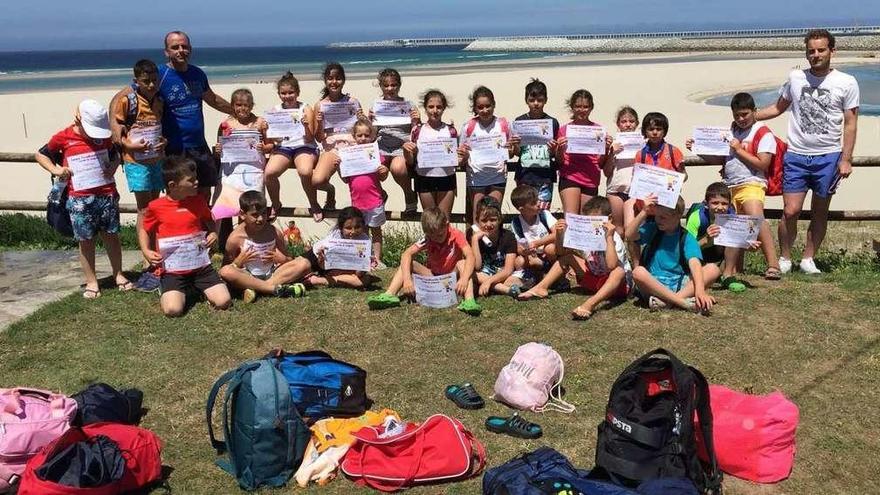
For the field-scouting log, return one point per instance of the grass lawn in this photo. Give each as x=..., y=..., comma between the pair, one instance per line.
x=816, y=339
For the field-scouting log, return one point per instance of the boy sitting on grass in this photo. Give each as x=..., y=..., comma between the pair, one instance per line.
x=180, y=225
x=256, y=254
x=605, y=275
x=448, y=251
x=670, y=272
x=533, y=228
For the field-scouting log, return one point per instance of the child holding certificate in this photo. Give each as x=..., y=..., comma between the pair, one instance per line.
x=744, y=170
x=533, y=228
x=485, y=149
x=82, y=156
x=394, y=134
x=494, y=260
x=604, y=274
x=366, y=192
x=334, y=127
x=301, y=151
x=448, y=251
x=435, y=185
x=177, y=231
x=579, y=173
x=311, y=267
x=537, y=157
x=670, y=271
x=619, y=170
x=256, y=255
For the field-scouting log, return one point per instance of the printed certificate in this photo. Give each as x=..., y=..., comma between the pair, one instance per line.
x=488, y=149
x=258, y=267
x=585, y=233
x=585, y=139
x=347, y=254
x=89, y=170
x=184, y=252
x=285, y=123
x=240, y=149
x=151, y=133
x=339, y=115
x=712, y=140
x=389, y=112
x=437, y=291
x=440, y=152
x=534, y=131
x=738, y=231
x=632, y=142
x=665, y=184
x=358, y=159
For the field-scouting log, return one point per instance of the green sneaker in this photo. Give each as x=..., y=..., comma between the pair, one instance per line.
x=290, y=290
x=383, y=301
x=733, y=285
x=471, y=307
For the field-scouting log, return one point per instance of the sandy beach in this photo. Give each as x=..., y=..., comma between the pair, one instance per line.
x=675, y=85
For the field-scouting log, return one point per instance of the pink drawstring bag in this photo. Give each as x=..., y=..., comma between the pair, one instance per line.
x=754, y=434
x=528, y=381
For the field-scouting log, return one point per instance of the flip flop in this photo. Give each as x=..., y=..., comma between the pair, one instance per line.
x=464, y=396
x=91, y=293
x=577, y=314
x=317, y=214
x=514, y=426
x=125, y=286
x=772, y=274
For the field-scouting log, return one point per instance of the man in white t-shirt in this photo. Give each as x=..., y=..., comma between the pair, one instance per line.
x=824, y=106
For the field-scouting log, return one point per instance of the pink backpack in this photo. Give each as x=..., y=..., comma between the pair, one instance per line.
x=527, y=381
x=30, y=419
x=754, y=435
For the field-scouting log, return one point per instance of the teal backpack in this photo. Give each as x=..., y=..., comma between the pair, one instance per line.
x=264, y=436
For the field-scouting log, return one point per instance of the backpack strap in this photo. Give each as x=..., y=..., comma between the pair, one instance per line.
x=414, y=135
x=517, y=227
x=650, y=249
x=542, y=216
x=756, y=141
x=671, y=157
x=469, y=127
x=704, y=412
x=132, y=110
x=209, y=409
x=505, y=127
x=682, y=259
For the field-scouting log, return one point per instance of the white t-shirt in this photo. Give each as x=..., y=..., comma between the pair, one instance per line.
x=737, y=173
x=596, y=260
x=535, y=231
x=485, y=174
x=427, y=133
x=816, y=123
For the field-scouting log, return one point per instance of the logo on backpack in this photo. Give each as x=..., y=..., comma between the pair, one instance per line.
x=619, y=424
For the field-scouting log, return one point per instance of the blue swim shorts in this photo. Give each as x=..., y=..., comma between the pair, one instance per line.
x=92, y=214
x=143, y=177
x=814, y=172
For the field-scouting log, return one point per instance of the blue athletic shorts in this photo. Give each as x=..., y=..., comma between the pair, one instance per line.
x=92, y=214
x=811, y=172
x=144, y=178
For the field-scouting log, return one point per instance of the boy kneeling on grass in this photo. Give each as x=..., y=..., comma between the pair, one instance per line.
x=448, y=251
x=670, y=271
x=181, y=227
x=256, y=254
x=605, y=275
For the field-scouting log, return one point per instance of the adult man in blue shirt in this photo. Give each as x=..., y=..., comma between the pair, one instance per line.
x=184, y=87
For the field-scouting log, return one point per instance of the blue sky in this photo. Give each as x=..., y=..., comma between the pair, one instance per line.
x=103, y=24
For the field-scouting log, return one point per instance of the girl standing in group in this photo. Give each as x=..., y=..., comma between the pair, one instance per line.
x=334, y=80
x=436, y=185
x=619, y=171
x=579, y=173
x=300, y=152
x=488, y=178
x=392, y=137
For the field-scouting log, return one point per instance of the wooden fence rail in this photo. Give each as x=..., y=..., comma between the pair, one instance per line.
x=839, y=215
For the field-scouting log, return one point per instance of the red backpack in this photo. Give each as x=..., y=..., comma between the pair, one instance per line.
x=774, y=173
x=140, y=448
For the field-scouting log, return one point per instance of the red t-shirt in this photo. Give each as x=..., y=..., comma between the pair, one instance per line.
x=443, y=256
x=69, y=143
x=168, y=218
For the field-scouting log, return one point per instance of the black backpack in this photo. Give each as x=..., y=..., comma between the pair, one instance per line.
x=648, y=431
x=100, y=403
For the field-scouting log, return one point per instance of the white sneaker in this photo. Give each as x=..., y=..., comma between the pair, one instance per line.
x=784, y=265
x=808, y=266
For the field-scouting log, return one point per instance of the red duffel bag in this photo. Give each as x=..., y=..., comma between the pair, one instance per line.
x=754, y=434
x=139, y=447
x=440, y=449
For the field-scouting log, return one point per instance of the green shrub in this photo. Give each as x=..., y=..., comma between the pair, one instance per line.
x=22, y=231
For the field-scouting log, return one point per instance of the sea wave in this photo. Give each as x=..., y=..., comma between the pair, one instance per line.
x=391, y=61
x=485, y=55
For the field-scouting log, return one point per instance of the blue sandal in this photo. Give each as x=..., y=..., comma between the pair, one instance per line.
x=465, y=396
x=514, y=426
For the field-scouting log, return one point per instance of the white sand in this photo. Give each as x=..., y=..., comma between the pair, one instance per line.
x=674, y=88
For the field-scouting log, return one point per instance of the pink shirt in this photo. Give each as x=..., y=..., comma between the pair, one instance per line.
x=583, y=170
x=366, y=193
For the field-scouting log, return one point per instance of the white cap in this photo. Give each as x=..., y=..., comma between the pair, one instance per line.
x=94, y=119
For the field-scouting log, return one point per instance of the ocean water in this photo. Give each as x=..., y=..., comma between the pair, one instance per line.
x=54, y=70
x=868, y=77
